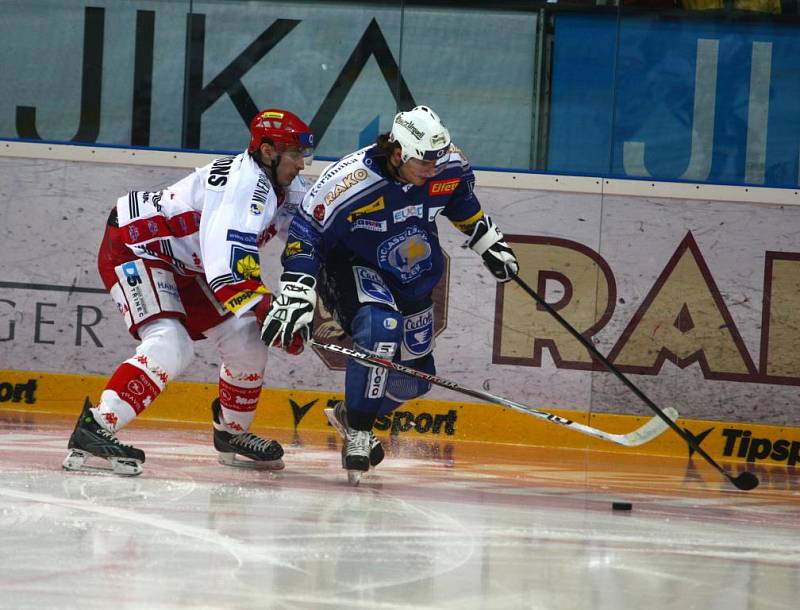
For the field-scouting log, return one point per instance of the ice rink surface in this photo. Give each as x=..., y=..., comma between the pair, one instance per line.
x=437, y=525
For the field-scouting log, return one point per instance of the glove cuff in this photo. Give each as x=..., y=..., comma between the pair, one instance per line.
x=299, y=286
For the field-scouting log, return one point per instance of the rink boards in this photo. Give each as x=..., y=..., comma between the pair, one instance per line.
x=26, y=392
x=692, y=290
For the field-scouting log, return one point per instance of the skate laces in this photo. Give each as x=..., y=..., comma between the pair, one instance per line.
x=248, y=440
x=340, y=411
x=111, y=438
x=358, y=441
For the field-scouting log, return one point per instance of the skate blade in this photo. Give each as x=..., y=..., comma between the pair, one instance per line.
x=230, y=459
x=123, y=467
x=354, y=477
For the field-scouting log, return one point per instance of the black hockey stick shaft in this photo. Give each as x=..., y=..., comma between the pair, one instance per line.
x=744, y=481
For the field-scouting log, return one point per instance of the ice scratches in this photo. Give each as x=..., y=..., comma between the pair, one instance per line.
x=712, y=546
x=238, y=550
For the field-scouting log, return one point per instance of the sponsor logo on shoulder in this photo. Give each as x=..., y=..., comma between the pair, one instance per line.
x=349, y=181
x=218, y=174
x=443, y=187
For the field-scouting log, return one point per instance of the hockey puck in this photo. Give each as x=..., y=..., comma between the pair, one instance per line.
x=621, y=505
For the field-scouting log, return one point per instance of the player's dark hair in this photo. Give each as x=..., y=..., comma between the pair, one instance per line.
x=383, y=150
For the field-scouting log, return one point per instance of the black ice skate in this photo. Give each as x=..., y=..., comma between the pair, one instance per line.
x=90, y=439
x=355, y=454
x=263, y=453
x=337, y=416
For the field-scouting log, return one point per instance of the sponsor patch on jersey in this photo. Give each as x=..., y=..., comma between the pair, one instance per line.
x=240, y=299
x=434, y=212
x=411, y=211
x=348, y=182
x=376, y=384
x=371, y=288
x=406, y=255
x=379, y=226
x=245, y=264
x=417, y=335
x=443, y=187
x=256, y=208
x=218, y=173
x=319, y=212
x=248, y=239
x=375, y=206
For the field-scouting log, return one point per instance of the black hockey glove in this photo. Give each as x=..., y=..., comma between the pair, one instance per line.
x=487, y=240
x=291, y=314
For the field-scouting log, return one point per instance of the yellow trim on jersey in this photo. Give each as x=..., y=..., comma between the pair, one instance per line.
x=463, y=225
x=375, y=206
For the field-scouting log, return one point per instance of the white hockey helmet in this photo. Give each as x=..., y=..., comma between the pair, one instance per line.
x=421, y=135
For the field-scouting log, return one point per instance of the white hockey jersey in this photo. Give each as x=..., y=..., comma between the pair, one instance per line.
x=213, y=223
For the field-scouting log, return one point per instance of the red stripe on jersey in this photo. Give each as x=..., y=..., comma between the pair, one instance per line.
x=184, y=224
x=159, y=227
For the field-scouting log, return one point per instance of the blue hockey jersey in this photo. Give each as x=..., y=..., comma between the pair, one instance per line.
x=355, y=207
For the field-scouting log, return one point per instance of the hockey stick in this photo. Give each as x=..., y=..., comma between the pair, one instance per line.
x=641, y=435
x=745, y=481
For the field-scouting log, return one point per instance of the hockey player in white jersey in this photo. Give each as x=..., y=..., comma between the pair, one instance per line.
x=183, y=264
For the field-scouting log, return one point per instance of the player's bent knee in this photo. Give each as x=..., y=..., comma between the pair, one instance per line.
x=168, y=343
x=376, y=324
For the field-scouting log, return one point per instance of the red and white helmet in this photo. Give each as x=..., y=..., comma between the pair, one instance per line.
x=421, y=135
x=283, y=129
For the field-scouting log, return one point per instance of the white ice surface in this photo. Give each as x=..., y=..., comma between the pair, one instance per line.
x=419, y=532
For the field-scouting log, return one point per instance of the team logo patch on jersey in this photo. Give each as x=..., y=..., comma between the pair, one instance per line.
x=292, y=248
x=406, y=255
x=319, y=212
x=379, y=226
x=245, y=264
x=411, y=211
x=417, y=334
x=371, y=288
x=443, y=187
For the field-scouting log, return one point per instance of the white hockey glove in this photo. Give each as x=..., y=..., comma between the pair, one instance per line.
x=487, y=240
x=290, y=315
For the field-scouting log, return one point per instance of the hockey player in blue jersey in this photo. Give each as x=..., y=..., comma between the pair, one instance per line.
x=366, y=241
